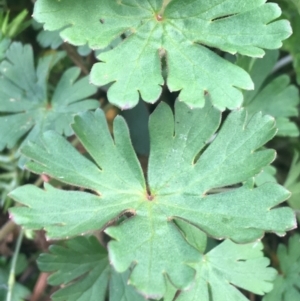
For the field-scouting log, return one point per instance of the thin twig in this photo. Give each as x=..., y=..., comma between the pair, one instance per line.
x=75, y=57
x=38, y=182
x=164, y=5
x=12, y=276
x=75, y=141
x=9, y=227
x=39, y=287
x=282, y=63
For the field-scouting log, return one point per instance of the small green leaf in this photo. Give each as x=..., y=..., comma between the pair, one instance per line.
x=292, y=183
x=184, y=170
x=228, y=266
x=26, y=110
x=179, y=32
x=49, y=39
x=15, y=26
x=53, y=40
x=291, y=10
x=287, y=283
x=83, y=268
x=276, y=98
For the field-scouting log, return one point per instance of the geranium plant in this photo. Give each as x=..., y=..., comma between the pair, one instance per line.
x=201, y=85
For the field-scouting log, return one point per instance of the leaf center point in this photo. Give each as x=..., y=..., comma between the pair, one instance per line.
x=150, y=197
x=159, y=17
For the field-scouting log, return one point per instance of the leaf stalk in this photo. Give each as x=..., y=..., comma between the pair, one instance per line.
x=12, y=276
x=164, y=5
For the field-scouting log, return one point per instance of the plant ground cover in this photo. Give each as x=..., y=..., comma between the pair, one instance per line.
x=149, y=150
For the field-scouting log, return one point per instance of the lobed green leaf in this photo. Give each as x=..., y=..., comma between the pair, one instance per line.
x=179, y=33
x=27, y=111
x=286, y=285
x=83, y=268
x=277, y=97
x=228, y=266
x=194, y=175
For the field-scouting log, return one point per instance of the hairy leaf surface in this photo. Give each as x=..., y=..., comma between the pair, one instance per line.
x=268, y=174
x=26, y=110
x=82, y=266
x=287, y=283
x=175, y=31
x=185, y=173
